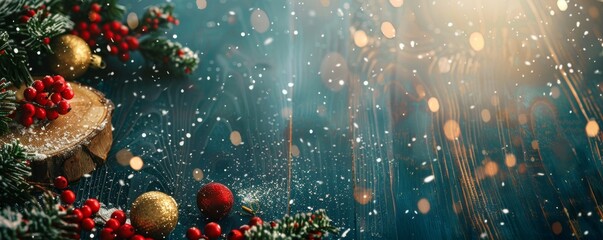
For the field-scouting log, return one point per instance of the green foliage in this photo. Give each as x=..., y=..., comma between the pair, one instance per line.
x=40, y=219
x=7, y=105
x=14, y=170
x=173, y=55
x=20, y=38
x=301, y=226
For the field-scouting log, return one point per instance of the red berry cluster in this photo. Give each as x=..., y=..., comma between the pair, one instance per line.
x=114, y=228
x=29, y=12
x=82, y=216
x=213, y=231
x=45, y=99
x=117, y=228
x=113, y=33
x=156, y=17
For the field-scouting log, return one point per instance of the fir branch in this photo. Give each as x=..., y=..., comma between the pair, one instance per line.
x=14, y=170
x=40, y=27
x=13, y=62
x=157, y=18
x=8, y=104
x=38, y=220
x=301, y=226
x=172, y=55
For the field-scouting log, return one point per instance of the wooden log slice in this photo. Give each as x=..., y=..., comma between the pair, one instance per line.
x=72, y=145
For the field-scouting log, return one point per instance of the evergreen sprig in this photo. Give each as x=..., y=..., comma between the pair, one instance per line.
x=168, y=53
x=301, y=226
x=22, y=34
x=8, y=104
x=40, y=219
x=14, y=171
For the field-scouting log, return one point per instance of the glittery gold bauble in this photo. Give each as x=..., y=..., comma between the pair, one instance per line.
x=154, y=214
x=72, y=57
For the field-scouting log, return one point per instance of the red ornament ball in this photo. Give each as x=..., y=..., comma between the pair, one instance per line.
x=255, y=221
x=125, y=231
x=235, y=234
x=93, y=204
x=120, y=216
x=112, y=224
x=60, y=182
x=215, y=201
x=68, y=197
x=88, y=224
x=212, y=230
x=193, y=233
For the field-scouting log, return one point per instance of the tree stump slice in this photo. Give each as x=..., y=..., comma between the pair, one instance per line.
x=72, y=145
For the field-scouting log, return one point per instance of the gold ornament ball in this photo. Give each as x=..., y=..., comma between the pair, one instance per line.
x=154, y=214
x=72, y=57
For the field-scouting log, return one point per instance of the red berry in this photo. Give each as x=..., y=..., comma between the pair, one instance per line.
x=124, y=57
x=94, y=17
x=48, y=81
x=67, y=93
x=144, y=29
x=235, y=235
x=42, y=98
x=38, y=85
x=94, y=29
x=95, y=7
x=212, y=230
x=30, y=13
x=77, y=215
x=123, y=46
x=125, y=231
x=76, y=8
x=91, y=42
x=46, y=40
x=27, y=121
x=93, y=204
x=68, y=197
x=52, y=114
x=176, y=22
x=137, y=237
x=24, y=19
x=107, y=234
x=115, y=25
x=56, y=98
x=86, y=211
x=112, y=224
x=58, y=78
x=117, y=37
x=255, y=221
x=170, y=18
x=120, y=216
x=40, y=114
x=88, y=224
x=273, y=224
x=63, y=107
x=82, y=26
x=60, y=182
x=193, y=233
x=28, y=110
x=123, y=30
x=108, y=35
x=106, y=27
x=132, y=42
x=113, y=50
x=244, y=228
x=85, y=35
